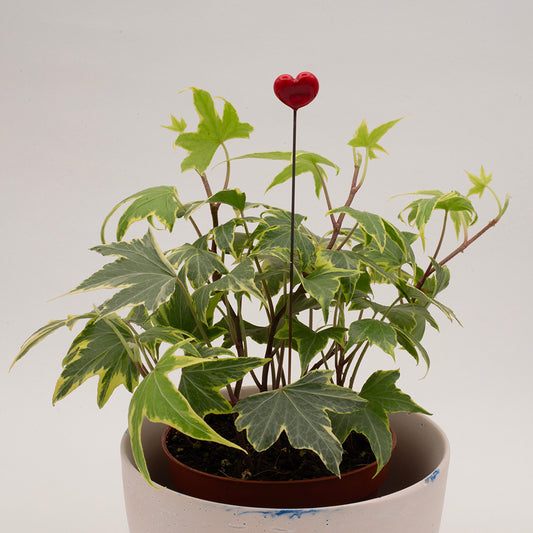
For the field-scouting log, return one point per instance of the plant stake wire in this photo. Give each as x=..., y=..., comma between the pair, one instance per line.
x=295, y=93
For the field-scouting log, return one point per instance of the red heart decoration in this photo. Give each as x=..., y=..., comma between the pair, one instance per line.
x=297, y=92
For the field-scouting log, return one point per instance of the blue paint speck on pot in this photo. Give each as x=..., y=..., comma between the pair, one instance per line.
x=433, y=476
x=289, y=513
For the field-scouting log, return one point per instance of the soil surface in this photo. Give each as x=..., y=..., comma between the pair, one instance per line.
x=281, y=462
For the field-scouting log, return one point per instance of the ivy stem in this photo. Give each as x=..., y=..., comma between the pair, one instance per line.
x=326, y=195
x=192, y=221
x=228, y=167
x=429, y=270
x=460, y=249
x=358, y=364
x=347, y=238
x=270, y=311
x=337, y=226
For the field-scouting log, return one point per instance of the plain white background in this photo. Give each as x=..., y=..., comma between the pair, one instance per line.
x=84, y=88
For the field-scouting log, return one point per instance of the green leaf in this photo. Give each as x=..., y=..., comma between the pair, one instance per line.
x=305, y=162
x=157, y=399
x=411, y=344
x=159, y=202
x=369, y=140
x=380, y=390
x=407, y=316
x=373, y=225
x=228, y=239
x=138, y=315
x=142, y=270
x=425, y=300
x=177, y=314
x=212, y=132
x=373, y=423
x=160, y=334
x=233, y=197
x=201, y=383
x=461, y=210
x=376, y=332
x=322, y=284
x=299, y=409
x=43, y=332
x=103, y=348
x=347, y=260
x=176, y=125
x=199, y=264
x=442, y=276
x=308, y=341
x=276, y=241
x=239, y=280
x=480, y=182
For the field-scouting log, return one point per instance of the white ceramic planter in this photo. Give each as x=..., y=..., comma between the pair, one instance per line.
x=411, y=500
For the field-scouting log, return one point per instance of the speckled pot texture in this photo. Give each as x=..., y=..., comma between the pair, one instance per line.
x=410, y=501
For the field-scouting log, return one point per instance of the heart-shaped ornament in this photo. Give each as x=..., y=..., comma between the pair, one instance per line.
x=296, y=92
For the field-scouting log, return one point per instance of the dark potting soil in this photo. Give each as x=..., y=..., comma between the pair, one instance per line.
x=281, y=462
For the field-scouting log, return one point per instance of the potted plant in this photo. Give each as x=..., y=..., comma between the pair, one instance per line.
x=248, y=341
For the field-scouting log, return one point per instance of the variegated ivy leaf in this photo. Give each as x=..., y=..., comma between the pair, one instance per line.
x=383, y=397
x=153, y=337
x=157, y=399
x=308, y=341
x=142, y=271
x=420, y=211
x=276, y=241
x=411, y=344
x=376, y=270
x=212, y=131
x=380, y=390
x=159, y=202
x=373, y=225
x=232, y=197
x=425, y=300
x=239, y=280
x=47, y=329
x=305, y=162
x=228, y=240
x=346, y=260
x=373, y=423
x=300, y=409
x=199, y=264
x=201, y=383
x=323, y=283
x=406, y=316
x=442, y=276
x=177, y=314
x=369, y=139
x=104, y=348
x=375, y=332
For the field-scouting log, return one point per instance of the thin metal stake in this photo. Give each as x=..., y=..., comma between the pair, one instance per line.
x=291, y=265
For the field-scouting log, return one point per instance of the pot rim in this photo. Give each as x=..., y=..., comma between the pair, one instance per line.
x=129, y=466
x=250, y=482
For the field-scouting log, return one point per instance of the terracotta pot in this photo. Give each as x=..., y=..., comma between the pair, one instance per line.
x=354, y=486
x=410, y=501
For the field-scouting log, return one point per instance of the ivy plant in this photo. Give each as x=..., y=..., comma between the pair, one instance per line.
x=188, y=308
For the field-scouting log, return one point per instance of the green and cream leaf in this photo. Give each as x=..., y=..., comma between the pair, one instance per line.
x=104, y=348
x=375, y=332
x=201, y=383
x=158, y=400
x=142, y=272
x=300, y=409
x=43, y=332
